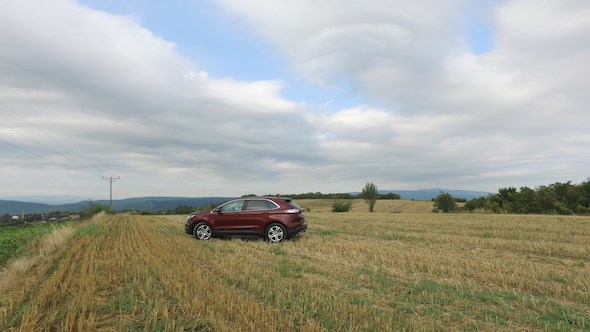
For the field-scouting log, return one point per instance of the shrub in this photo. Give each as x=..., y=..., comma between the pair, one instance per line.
x=445, y=203
x=93, y=209
x=342, y=206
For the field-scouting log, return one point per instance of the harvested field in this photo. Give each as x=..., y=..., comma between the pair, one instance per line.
x=351, y=271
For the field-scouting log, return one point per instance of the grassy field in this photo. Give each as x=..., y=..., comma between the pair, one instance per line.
x=359, y=205
x=350, y=272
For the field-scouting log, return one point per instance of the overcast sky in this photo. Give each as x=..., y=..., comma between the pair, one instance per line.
x=231, y=97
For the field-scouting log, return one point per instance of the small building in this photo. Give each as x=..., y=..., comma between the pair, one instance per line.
x=15, y=218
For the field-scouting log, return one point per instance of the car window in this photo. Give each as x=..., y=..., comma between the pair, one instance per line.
x=257, y=205
x=232, y=206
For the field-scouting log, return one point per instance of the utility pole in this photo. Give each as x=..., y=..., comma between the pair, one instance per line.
x=111, y=180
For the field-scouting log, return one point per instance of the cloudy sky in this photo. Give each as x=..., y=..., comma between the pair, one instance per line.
x=231, y=97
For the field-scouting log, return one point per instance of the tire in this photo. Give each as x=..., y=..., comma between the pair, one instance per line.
x=275, y=233
x=202, y=231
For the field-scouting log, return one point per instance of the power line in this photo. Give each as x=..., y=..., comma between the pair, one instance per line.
x=17, y=147
x=33, y=140
x=39, y=129
x=44, y=145
x=45, y=148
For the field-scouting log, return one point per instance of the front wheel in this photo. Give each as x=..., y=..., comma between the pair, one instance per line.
x=275, y=233
x=202, y=231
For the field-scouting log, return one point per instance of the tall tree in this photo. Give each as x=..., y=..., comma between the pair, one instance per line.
x=370, y=194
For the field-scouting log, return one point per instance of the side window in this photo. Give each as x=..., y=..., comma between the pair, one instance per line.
x=258, y=205
x=232, y=206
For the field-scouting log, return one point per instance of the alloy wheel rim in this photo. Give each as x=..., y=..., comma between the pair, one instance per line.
x=275, y=234
x=203, y=232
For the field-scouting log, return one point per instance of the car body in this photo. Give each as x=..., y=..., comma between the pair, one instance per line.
x=274, y=218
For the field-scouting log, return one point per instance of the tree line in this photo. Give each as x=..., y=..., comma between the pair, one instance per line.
x=558, y=198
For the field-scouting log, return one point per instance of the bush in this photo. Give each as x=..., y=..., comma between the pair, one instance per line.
x=342, y=206
x=93, y=209
x=445, y=203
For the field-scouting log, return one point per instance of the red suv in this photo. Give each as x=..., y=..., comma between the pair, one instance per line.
x=274, y=218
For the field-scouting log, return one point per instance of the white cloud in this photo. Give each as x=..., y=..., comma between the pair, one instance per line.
x=385, y=49
x=112, y=98
x=518, y=109
x=126, y=102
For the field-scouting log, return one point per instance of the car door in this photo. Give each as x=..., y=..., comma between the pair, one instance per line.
x=256, y=214
x=228, y=216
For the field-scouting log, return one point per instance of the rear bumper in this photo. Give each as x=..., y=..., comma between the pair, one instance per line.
x=298, y=230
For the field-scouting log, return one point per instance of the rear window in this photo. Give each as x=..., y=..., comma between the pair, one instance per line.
x=257, y=205
x=295, y=206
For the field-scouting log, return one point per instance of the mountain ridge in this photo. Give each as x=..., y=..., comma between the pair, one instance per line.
x=430, y=193
x=154, y=203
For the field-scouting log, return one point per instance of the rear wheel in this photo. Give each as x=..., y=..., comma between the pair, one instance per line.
x=202, y=231
x=275, y=233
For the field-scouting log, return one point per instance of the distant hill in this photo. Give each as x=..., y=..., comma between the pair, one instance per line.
x=138, y=203
x=51, y=200
x=16, y=207
x=165, y=203
x=429, y=194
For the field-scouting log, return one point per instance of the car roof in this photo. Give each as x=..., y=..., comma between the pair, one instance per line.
x=271, y=198
x=286, y=199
